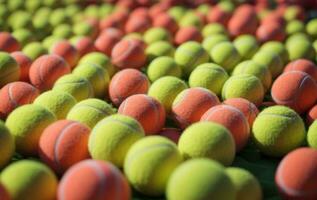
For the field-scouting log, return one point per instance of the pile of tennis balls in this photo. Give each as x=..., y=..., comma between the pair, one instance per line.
x=158, y=99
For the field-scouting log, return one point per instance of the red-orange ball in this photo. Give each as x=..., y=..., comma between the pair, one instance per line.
x=67, y=51
x=311, y=115
x=107, y=39
x=165, y=21
x=302, y=65
x=8, y=43
x=218, y=15
x=24, y=62
x=126, y=83
x=296, y=175
x=84, y=45
x=189, y=33
x=270, y=32
x=137, y=24
x=146, y=110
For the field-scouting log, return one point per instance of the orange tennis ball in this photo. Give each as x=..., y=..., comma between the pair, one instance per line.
x=296, y=175
x=93, y=179
x=233, y=119
x=302, y=65
x=46, y=69
x=84, y=45
x=218, y=15
x=107, y=40
x=171, y=133
x=249, y=110
x=24, y=62
x=14, y=95
x=268, y=32
x=63, y=144
x=311, y=115
x=191, y=104
x=295, y=89
x=189, y=33
x=128, y=53
x=126, y=83
x=146, y=110
x=137, y=23
x=67, y=51
x=8, y=43
x=165, y=21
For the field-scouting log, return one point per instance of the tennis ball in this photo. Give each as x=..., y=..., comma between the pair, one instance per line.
x=177, y=12
x=158, y=49
x=226, y=55
x=126, y=83
x=271, y=60
x=220, y=14
x=107, y=39
x=58, y=102
x=312, y=134
x=77, y=86
x=7, y=145
x=166, y=89
x=191, y=104
x=63, y=144
x=245, y=86
x=278, y=130
x=63, y=31
x=149, y=164
x=8, y=42
x=112, y=137
x=188, y=33
x=58, y=16
x=146, y=110
x=231, y=118
x=246, y=45
x=83, y=44
x=156, y=34
x=137, y=23
x=213, y=28
x=311, y=28
x=23, y=36
x=163, y=66
x=189, y=55
x=301, y=164
x=270, y=32
x=26, y=124
x=296, y=90
x=24, y=62
x=276, y=47
x=302, y=65
x=96, y=75
x=93, y=178
x=9, y=69
x=14, y=95
x=311, y=115
x=249, y=110
x=84, y=29
x=67, y=51
x=301, y=49
x=212, y=181
x=165, y=21
x=215, y=142
x=34, y=50
x=99, y=59
x=29, y=179
x=191, y=19
x=246, y=185
x=20, y=19
x=295, y=26
x=49, y=41
x=211, y=41
x=46, y=69
x=293, y=12
x=253, y=68
x=90, y=111
x=296, y=37
x=210, y=76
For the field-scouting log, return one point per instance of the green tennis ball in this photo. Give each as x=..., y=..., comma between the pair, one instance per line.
x=26, y=124
x=34, y=50
x=166, y=89
x=213, y=28
x=83, y=29
x=210, y=76
x=189, y=55
x=91, y=11
x=191, y=19
x=227, y=6
x=276, y=47
x=291, y=12
x=271, y=60
x=226, y=55
x=312, y=135
x=246, y=45
x=253, y=68
x=90, y=111
x=20, y=19
x=28, y=179
x=23, y=36
x=295, y=26
x=7, y=146
x=105, y=10
x=63, y=31
x=112, y=137
x=58, y=102
x=246, y=185
x=207, y=140
x=58, y=16
x=278, y=130
x=14, y=5
x=156, y=34
x=244, y=86
x=96, y=75
x=203, y=8
x=301, y=49
x=49, y=41
x=99, y=59
x=177, y=12
x=79, y=87
x=296, y=37
x=163, y=66
x=9, y=69
x=158, y=49
x=209, y=182
x=311, y=28
x=33, y=5
x=72, y=10
x=211, y=41
x=149, y=164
